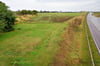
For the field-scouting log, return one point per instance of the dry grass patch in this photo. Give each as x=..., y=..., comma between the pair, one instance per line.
x=60, y=19
x=45, y=18
x=56, y=19
x=23, y=18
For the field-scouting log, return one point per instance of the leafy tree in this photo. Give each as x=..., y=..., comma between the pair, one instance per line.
x=23, y=12
x=29, y=12
x=34, y=12
x=7, y=18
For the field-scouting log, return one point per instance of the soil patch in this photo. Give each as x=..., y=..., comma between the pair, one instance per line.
x=45, y=18
x=60, y=19
x=56, y=19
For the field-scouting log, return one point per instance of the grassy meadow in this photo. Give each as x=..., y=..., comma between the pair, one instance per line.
x=48, y=39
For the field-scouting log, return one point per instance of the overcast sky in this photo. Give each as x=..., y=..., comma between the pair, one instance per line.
x=54, y=5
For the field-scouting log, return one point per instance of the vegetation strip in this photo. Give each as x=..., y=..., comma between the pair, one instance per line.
x=68, y=54
x=92, y=60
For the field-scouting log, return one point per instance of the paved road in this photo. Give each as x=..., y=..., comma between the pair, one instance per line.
x=94, y=26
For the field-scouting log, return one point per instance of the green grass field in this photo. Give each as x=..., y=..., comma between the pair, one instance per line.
x=35, y=43
x=97, y=14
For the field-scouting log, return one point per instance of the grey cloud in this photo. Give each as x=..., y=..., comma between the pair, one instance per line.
x=59, y=5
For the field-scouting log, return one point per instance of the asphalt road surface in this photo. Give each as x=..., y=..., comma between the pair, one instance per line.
x=94, y=26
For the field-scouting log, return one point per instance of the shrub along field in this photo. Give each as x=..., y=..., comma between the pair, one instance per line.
x=48, y=39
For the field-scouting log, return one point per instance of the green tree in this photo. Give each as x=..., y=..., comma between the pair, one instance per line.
x=23, y=12
x=7, y=18
x=34, y=12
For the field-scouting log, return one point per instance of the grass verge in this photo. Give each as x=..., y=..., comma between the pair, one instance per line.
x=95, y=53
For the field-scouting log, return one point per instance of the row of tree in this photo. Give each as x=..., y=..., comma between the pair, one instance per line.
x=25, y=12
x=49, y=11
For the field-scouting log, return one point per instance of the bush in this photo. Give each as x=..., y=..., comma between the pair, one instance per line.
x=7, y=18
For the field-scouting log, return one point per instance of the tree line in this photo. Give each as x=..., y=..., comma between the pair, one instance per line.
x=25, y=12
